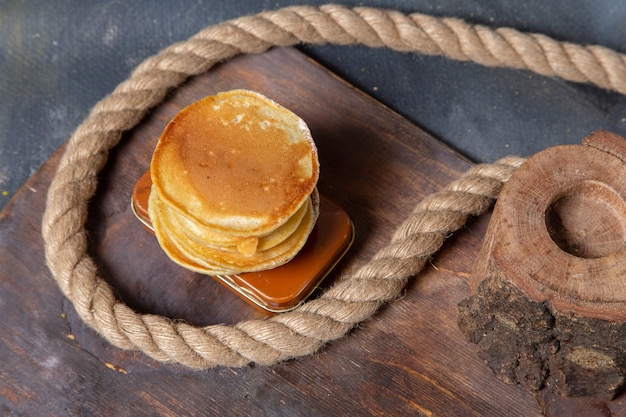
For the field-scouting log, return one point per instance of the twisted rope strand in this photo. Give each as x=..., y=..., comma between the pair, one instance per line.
x=357, y=296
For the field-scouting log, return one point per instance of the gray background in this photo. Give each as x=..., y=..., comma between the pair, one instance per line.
x=58, y=58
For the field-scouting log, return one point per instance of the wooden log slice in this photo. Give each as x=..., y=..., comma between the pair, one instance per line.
x=548, y=304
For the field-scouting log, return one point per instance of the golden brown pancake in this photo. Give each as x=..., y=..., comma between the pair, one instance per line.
x=213, y=261
x=234, y=180
x=219, y=240
x=236, y=162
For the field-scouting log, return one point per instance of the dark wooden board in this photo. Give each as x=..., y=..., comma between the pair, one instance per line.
x=410, y=359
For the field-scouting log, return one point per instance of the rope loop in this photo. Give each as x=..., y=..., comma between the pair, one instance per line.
x=359, y=295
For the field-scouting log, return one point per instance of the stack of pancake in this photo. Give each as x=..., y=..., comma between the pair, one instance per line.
x=234, y=179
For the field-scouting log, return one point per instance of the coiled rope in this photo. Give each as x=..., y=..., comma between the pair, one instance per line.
x=359, y=295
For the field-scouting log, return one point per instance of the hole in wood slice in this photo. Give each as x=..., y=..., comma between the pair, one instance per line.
x=588, y=220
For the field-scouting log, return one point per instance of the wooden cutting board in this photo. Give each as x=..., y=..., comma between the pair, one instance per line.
x=409, y=359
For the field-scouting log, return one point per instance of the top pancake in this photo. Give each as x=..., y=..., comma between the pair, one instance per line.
x=236, y=162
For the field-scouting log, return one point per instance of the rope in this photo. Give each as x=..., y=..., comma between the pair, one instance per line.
x=357, y=296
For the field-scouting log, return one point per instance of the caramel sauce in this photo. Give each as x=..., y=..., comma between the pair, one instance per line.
x=285, y=287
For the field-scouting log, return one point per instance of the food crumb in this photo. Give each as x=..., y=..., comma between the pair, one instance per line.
x=115, y=368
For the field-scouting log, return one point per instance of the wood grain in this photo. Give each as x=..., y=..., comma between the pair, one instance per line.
x=410, y=359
